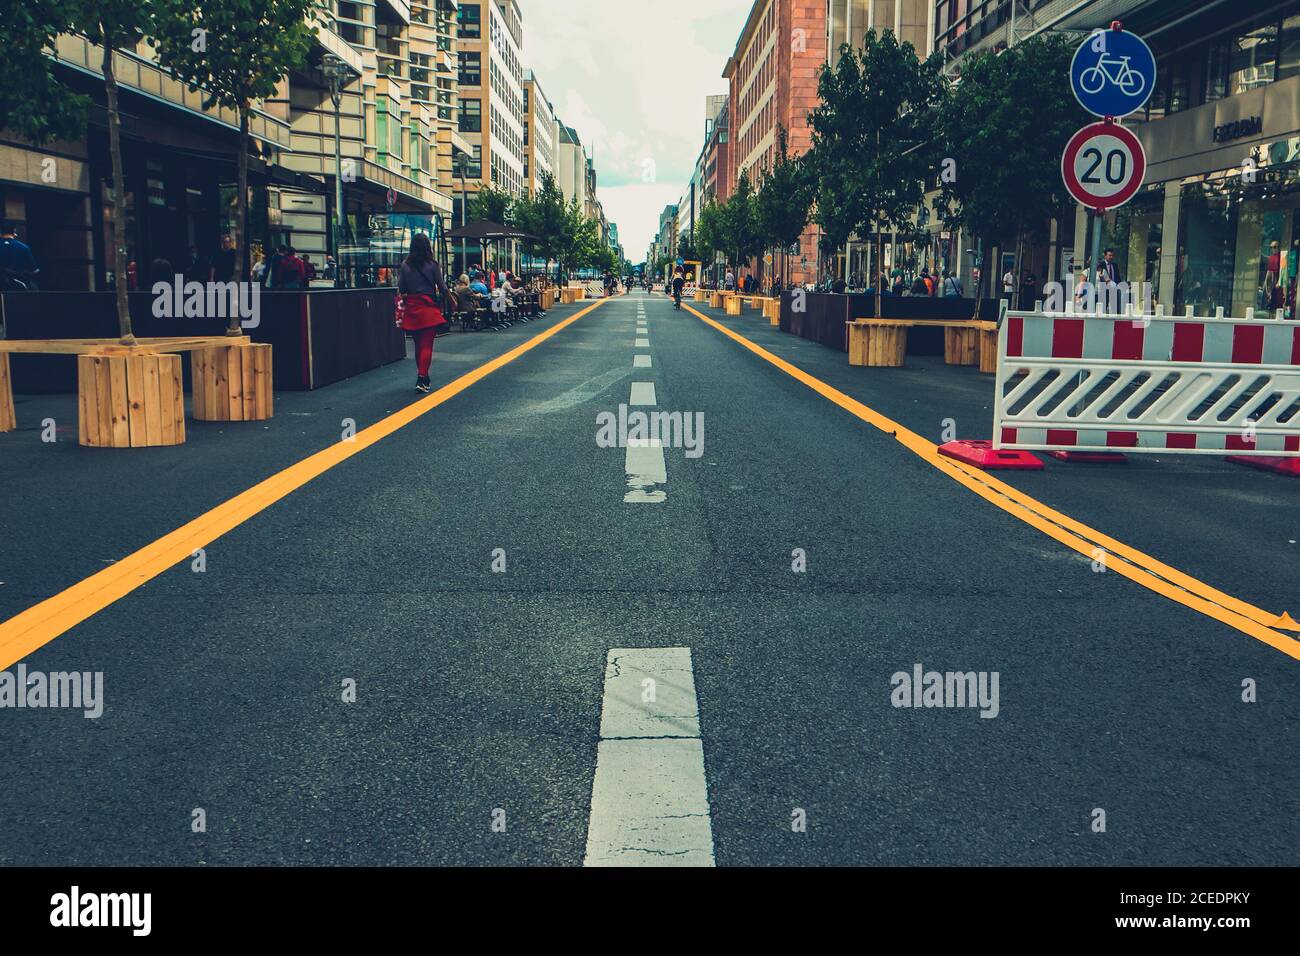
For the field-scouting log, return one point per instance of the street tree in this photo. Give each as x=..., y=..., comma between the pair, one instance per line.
x=543, y=216
x=740, y=226
x=116, y=25
x=34, y=104
x=872, y=136
x=709, y=240
x=1004, y=183
x=492, y=204
x=236, y=53
x=783, y=201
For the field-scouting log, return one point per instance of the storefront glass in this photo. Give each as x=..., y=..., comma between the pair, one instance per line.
x=1136, y=233
x=1239, y=242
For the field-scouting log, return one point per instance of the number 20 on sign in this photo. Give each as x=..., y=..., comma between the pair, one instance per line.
x=1103, y=165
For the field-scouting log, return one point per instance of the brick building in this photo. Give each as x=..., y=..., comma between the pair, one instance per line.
x=773, y=83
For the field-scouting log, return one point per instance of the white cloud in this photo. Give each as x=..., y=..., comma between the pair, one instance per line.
x=632, y=78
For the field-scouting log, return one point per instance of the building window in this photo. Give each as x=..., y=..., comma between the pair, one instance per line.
x=1288, y=61
x=1252, y=59
x=471, y=116
x=471, y=68
x=470, y=19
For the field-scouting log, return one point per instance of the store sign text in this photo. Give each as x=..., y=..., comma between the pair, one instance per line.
x=1252, y=126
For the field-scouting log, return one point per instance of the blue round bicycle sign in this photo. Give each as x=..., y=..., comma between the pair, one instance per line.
x=1113, y=73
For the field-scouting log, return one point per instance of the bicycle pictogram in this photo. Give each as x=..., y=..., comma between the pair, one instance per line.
x=1116, y=70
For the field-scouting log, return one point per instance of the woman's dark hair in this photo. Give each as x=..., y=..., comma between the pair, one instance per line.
x=421, y=250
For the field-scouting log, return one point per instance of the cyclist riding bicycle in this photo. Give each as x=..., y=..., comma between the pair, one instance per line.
x=679, y=280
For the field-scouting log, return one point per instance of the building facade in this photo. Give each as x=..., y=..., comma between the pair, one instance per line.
x=773, y=76
x=491, y=93
x=392, y=67
x=572, y=168
x=541, y=135
x=1217, y=224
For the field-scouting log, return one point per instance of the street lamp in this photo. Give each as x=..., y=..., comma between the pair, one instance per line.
x=337, y=73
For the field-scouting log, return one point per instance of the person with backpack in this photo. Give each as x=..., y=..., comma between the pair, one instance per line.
x=421, y=292
x=951, y=285
x=679, y=281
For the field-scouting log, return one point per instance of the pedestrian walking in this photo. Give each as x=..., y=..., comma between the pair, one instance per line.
x=421, y=293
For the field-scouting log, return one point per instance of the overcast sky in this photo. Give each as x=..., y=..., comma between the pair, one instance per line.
x=631, y=77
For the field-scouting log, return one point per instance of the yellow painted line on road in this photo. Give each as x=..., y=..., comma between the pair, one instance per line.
x=42, y=623
x=1135, y=565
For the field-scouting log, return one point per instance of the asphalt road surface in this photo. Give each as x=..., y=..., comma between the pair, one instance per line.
x=407, y=659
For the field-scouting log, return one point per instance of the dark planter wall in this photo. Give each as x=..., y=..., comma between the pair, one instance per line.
x=319, y=337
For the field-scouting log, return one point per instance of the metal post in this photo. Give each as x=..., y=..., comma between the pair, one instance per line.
x=335, y=70
x=1097, y=215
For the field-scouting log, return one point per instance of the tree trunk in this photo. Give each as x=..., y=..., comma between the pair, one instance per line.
x=241, y=213
x=880, y=265
x=119, y=194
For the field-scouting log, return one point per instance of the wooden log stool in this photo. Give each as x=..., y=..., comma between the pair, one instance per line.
x=233, y=383
x=8, y=421
x=130, y=399
x=961, y=345
x=878, y=343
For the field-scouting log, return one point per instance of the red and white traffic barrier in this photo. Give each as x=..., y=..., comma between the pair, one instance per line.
x=1089, y=386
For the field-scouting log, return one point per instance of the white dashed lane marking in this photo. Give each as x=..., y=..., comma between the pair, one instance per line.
x=641, y=361
x=649, y=801
x=643, y=393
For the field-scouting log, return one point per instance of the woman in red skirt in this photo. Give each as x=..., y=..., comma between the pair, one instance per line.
x=421, y=291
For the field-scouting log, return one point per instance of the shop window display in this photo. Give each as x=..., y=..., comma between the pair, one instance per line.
x=1239, y=242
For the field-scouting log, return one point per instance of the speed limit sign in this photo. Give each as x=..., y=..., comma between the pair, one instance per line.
x=1103, y=165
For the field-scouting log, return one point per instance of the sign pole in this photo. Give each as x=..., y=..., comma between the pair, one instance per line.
x=1097, y=215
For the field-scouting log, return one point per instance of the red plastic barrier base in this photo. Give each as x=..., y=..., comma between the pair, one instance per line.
x=1094, y=457
x=981, y=455
x=1282, y=466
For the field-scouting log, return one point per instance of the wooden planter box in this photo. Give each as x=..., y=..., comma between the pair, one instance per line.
x=233, y=383
x=732, y=304
x=877, y=343
x=8, y=421
x=989, y=351
x=715, y=300
x=130, y=399
x=961, y=346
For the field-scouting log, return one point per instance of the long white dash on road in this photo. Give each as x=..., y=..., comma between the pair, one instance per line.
x=643, y=393
x=643, y=343
x=645, y=469
x=650, y=799
x=644, y=463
